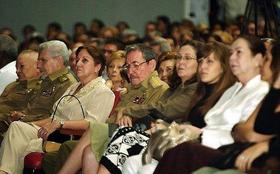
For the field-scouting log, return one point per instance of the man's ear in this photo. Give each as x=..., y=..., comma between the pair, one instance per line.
x=60, y=60
x=152, y=64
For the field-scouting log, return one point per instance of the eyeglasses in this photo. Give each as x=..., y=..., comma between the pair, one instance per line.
x=135, y=66
x=186, y=57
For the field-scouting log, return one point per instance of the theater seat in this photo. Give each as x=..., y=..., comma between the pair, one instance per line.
x=33, y=160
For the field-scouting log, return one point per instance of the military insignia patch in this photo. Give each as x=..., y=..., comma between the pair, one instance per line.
x=138, y=100
x=48, y=92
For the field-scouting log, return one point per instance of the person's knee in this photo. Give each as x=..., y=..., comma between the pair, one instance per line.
x=88, y=154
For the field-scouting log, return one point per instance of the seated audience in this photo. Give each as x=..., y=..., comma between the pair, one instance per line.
x=214, y=78
x=236, y=104
x=145, y=87
x=172, y=105
x=263, y=130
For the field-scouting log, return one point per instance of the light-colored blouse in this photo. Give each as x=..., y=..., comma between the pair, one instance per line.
x=96, y=99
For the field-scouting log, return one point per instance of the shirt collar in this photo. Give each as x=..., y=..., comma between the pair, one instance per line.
x=253, y=81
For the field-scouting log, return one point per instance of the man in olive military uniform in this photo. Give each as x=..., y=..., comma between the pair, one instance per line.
x=145, y=87
x=14, y=95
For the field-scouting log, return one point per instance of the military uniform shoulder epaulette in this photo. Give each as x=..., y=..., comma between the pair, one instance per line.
x=63, y=78
x=67, y=77
x=156, y=82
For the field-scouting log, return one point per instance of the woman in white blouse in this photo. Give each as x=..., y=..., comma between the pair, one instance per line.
x=88, y=100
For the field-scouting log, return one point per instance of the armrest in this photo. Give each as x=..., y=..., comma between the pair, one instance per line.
x=72, y=132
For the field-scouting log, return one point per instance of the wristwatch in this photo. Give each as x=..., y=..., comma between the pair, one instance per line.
x=61, y=123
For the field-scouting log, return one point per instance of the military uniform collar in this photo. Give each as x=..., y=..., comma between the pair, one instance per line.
x=32, y=83
x=146, y=82
x=58, y=73
x=21, y=82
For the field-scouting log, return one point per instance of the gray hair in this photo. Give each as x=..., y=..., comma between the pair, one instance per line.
x=56, y=48
x=163, y=44
x=147, y=52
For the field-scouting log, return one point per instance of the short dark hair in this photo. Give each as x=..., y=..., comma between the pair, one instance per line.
x=98, y=22
x=119, y=44
x=80, y=24
x=55, y=25
x=148, y=53
x=96, y=54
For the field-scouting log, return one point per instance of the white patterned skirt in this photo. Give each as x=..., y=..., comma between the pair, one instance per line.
x=125, y=142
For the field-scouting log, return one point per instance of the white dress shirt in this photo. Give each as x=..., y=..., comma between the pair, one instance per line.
x=236, y=104
x=7, y=75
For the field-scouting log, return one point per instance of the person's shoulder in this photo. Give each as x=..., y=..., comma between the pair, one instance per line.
x=102, y=87
x=13, y=84
x=156, y=82
x=67, y=77
x=9, y=88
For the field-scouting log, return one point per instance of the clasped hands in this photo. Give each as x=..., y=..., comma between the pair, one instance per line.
x=47, y=129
